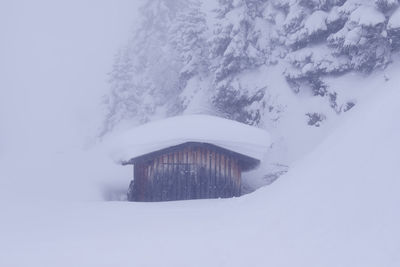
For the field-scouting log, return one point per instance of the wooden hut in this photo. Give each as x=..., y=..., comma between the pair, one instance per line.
x=191, y=157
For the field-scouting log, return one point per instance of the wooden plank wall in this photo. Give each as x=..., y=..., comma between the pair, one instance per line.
x=191, y=172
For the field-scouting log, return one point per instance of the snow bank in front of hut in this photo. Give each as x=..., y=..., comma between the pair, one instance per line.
x=337, y=207
x=150, y=137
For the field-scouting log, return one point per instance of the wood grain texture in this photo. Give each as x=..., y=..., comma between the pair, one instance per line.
x=189, y=171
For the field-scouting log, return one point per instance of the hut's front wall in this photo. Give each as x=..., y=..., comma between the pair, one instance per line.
x=191, y=172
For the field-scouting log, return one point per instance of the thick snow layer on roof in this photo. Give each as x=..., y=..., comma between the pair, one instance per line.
x=154, y=136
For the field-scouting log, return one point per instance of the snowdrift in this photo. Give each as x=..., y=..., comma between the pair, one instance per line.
x=337, y=207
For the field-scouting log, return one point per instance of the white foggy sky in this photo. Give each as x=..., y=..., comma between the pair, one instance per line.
x=54, y=57
x=54, y=60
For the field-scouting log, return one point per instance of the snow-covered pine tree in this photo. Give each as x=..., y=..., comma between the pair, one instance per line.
x=188, y=37
x=152, y=69
x=234, y=48
x=393, y=30
x=314, y=38
x=337, y=37
x=270, y=63
x=386, y=5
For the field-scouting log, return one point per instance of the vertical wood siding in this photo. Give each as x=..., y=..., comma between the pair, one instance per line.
x=192, y=172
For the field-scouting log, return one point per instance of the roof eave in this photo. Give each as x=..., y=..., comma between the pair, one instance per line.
x=247, y=163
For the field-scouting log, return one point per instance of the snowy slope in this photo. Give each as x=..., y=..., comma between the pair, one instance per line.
x=278, y=65
x=336, y=207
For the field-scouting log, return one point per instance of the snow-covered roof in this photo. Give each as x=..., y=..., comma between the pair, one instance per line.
x=154, y=136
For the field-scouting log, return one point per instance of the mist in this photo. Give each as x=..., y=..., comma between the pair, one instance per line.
x=333, y=172
x=55, y=56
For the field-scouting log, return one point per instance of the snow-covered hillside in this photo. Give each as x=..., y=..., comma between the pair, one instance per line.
x=338, y=204
x=279, y=65
x=336, y=207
